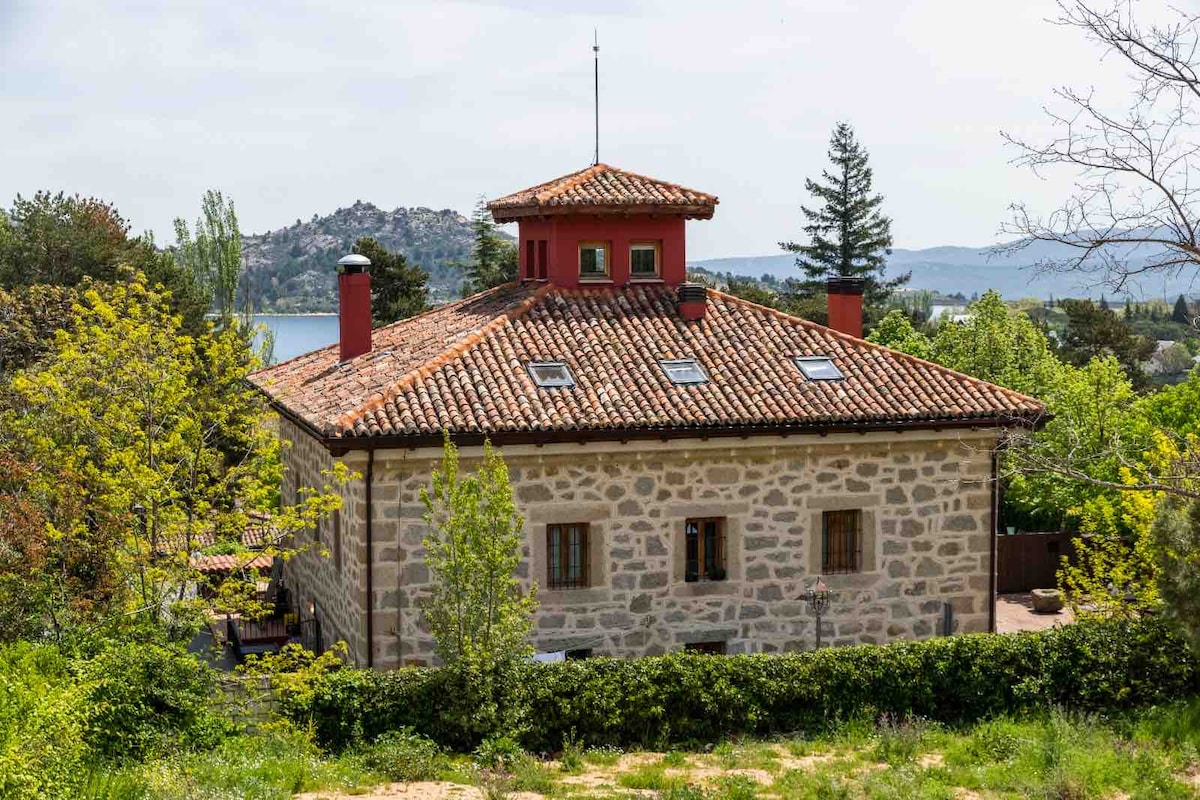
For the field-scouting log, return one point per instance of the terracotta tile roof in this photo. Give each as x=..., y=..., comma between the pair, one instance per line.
x=256, y=535
x=228, y=563
x=601, y=188
x=463, y=367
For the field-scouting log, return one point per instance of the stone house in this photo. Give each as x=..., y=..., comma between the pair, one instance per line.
x=687, y=462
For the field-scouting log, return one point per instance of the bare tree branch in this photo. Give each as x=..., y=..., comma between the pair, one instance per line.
x=1133, y=211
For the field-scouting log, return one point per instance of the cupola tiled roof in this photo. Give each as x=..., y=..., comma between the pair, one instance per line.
x=464, y=368
x=603, y=189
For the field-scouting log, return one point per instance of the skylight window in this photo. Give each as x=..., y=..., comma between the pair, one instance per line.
x=551, y=374
x=684, y=371
x=819, y=368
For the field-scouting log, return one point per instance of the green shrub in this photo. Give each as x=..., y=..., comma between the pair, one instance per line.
x=571, y=759
x=499, y=752
x=1093, y=665
x=43, y=718
x=898, y=740
x=404, y=756
x=528, y=775
x=149, y=698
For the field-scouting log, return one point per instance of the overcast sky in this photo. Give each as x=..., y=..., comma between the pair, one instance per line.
x=302, y=107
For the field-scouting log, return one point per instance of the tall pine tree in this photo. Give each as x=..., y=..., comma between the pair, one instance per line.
x=848, y=234
x=1180, y=313
x=493, y=258
x=398, y=289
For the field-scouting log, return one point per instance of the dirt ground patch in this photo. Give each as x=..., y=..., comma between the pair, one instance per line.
x=424, y=790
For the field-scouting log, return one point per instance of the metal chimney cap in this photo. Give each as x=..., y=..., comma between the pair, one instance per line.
x=353, y=263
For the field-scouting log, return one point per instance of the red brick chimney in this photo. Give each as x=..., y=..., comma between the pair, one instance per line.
x=693, y=301
x=354, y=306
x=846, y=305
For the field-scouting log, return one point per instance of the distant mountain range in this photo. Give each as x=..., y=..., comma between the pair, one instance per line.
x=293, y=269
x=972, y=270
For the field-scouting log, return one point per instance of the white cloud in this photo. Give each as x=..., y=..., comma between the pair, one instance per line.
x=299, y=108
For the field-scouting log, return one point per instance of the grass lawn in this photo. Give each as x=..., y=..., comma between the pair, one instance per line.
x=1155, y=753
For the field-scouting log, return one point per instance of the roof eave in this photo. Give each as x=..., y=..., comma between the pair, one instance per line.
x=340, y=445
x=517, y=213
x=291, y=416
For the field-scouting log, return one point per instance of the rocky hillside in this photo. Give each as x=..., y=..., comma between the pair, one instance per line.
x=293, y=269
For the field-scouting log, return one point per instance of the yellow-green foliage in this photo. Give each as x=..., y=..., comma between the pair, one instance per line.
x=141, y=413
x=1114, y=570
x=43, y=718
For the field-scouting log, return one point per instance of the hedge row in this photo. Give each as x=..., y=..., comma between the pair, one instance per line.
x=682, y=698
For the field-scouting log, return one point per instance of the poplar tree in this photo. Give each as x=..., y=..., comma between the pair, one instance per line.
x=214, y=256
x=478, y=615
x=848, y=234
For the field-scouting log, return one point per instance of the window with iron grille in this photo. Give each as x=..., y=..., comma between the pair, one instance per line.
x=841, y=541
x=567, y=556
x=704, y=548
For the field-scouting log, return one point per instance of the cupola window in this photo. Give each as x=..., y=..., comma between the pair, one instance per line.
x=644, y=259
x=593, y=260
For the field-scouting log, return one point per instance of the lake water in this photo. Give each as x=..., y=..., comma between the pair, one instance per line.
x=297, y=334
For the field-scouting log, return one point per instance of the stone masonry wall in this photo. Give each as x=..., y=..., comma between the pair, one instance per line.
x=925, y=499
x=317, y=573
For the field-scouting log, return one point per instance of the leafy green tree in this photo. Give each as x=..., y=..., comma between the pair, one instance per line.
x=140, y=414
x=1070, y=473
x=751, y=290
x=1181, y=314
x=494, y=260
x=61, y=240
x=1114, y=569
x=398, y=289
x=1176, y=538
x=214, y=256
x=479, y=617
x=848, y=234
x=1094, y=332
x=1175, y=360
x=1176, y=408
x=998, y=345
x=57, y=563
x=29, y=317
x=897, y=332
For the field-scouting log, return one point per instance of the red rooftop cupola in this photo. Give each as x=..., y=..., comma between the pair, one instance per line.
x=603, y=226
